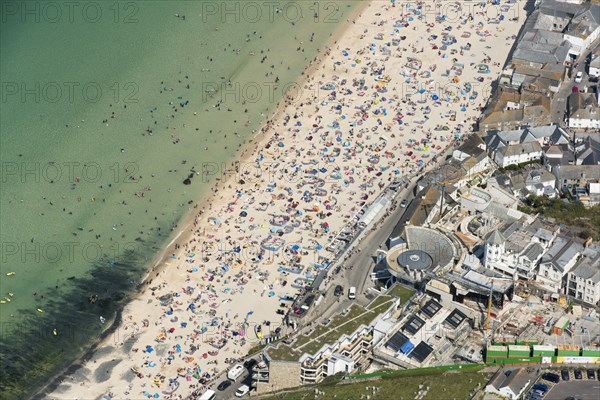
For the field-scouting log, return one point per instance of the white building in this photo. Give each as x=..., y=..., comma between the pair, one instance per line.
x=584, y=28
x=583, y=281
x=518, y=153
x=594, y=70
x=509, y=384
x=557, y=262
x=538, y=181
x=584, y=110
x=517, y=250
x=523, y=145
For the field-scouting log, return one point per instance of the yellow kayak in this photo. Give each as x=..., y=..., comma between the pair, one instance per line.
x=40, y=310
x=10, y=273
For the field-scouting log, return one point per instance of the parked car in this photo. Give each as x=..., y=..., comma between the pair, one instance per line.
x=404, y=203
x=578, y=374
x=235, y=372
x=352, y=293
x=209, y=395
x=250, y=363
x=224, y=385
x=564, y=374
x=550, y=377
x=242, y=391
x=579, y=77
x=339, y=290
x=591, y=374
x=541, y=387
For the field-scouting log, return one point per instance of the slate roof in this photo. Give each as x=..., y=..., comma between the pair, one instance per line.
x=496, y=238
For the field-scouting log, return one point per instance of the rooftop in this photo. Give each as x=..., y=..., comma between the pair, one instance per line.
x=562, y=251
x=588, y=267
x=583, y=106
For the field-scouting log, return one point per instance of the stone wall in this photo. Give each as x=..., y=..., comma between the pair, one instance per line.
x=282, y=375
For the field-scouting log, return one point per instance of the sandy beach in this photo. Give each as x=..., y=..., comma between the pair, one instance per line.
x=392, y=90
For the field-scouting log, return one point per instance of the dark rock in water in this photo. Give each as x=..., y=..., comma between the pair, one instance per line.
x=187, y=181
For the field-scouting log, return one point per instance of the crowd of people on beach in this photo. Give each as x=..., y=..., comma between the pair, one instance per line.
x=380, y=104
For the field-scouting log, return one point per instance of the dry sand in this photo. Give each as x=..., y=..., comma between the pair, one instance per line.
x=359, y=122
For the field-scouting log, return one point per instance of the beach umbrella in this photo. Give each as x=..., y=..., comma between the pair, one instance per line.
x=243, y=214
x=435, y=97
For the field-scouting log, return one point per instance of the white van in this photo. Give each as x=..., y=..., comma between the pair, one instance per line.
x=209, y=395
x=235, y=372
x=352, y=293
x=242, y=390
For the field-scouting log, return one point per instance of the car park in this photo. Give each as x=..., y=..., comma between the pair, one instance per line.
x=564, y=374
x=551, y=377
x=224, y=385
x=578, y=374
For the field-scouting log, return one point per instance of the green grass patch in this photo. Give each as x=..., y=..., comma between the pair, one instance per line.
x=419, y=371
x=448, y=382
x=584, y=221
x=403, y=293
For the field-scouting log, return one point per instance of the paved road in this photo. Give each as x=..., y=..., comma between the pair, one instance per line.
x=362, y=265
x=581, y=390
x=559, y=104
x=229, y=393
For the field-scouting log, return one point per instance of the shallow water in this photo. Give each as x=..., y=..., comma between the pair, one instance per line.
x=102, y=121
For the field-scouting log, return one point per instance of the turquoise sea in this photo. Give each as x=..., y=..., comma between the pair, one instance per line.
x=107, y=107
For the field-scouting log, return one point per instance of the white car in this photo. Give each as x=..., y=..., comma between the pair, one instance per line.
x=579, y=77
x=352, y=293
x=242, y=391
